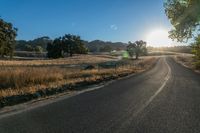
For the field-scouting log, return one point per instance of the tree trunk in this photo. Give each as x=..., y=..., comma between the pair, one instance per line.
x=71, y=54
x=136, y=56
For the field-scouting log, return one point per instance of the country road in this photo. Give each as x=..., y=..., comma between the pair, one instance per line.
x=165, y=99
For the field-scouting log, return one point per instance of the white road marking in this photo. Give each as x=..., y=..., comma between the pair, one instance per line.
x=158, y=91
x=128, y=121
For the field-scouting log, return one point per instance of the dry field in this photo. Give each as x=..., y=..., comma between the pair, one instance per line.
x=29, y=77
x=82, y=59
x=185, y=60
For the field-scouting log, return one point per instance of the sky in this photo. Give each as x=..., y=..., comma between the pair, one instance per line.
x=108, y=20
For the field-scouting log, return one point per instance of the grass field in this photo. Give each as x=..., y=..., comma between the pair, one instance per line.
x=29, y=77
x=84, y=59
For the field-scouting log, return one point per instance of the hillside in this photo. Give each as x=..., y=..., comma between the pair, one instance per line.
x=93, y=46
x=102, y=46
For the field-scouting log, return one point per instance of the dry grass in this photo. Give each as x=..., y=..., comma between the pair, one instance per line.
x=19, y=80
x=185, y=60
x=188, y=61
x=81, y=59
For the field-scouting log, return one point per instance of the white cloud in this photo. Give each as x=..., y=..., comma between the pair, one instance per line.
x=113, y=27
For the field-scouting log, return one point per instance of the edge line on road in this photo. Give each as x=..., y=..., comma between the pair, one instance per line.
x=159, y=89
x=167, y=77
x=151, y=98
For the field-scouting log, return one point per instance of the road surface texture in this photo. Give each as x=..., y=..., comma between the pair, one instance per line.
x=165, y=99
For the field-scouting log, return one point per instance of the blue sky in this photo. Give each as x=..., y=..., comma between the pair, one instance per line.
x=109, y=20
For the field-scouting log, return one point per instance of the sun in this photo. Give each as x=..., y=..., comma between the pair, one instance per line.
x=158, y=38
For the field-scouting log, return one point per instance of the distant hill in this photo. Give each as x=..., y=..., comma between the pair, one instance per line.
x=38, y=44
x=93, y=46
x=103, y=46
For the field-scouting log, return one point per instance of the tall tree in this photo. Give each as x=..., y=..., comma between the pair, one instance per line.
x=7, y=38
x=68, y=44
x=72, y=44
x=137, y=48
x=184, y=15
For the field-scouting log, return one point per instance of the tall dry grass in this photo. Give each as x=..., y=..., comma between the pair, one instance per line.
x=81, y=59
x=22, y=80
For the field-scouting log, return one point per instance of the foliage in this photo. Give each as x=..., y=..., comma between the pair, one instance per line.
x=7, y=38
x=68, y=44
x=39, y=49
x=54, y=49
x=138, y=48
x=184, y=15
x=196, y=51
x=28, y=47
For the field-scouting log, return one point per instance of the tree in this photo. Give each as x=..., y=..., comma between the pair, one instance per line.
x=68, y=44
x=55, y=49
x=137, y=48
x=38, y=49
x=50, y=50
x=184, y=15
x=28, y=47
x=196, y=51
x=7, y=38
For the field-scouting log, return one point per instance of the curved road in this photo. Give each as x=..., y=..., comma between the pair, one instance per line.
x=165, y=99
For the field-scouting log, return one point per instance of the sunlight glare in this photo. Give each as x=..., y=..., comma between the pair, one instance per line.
x=158, y=38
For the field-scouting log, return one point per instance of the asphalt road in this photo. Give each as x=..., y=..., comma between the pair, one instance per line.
x=165, y=99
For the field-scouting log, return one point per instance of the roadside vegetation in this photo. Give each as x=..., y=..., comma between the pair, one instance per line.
x=187, y=60
x=20, y=83
x=70, y=61
x=196, y=52
x=184, y=16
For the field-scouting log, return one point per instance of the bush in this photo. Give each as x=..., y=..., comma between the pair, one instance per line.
x=196, y=51
x=197, y=65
